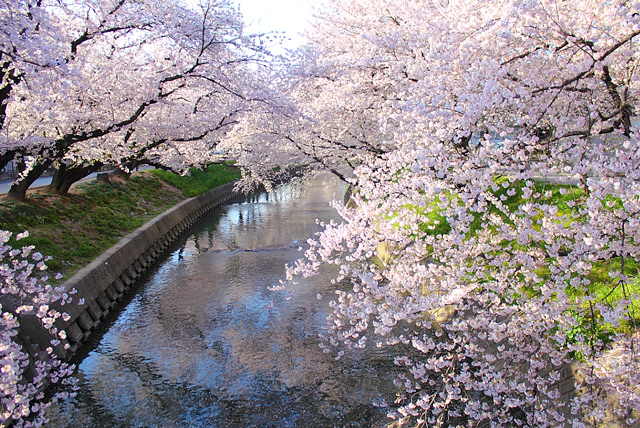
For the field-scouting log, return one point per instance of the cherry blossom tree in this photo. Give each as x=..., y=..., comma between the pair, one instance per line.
x=300, y=124
x=29, y=44
x=129, y=67
x=25, y=299
x=175, y=135
x=507, y=177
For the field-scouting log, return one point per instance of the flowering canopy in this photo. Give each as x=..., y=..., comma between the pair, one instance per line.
x=493, y=148
x=495, y=163
x=120, y=80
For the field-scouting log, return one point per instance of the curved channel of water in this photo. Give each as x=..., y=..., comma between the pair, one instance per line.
x=206, y=343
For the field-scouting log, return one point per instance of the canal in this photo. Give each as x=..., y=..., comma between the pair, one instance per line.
x=208, y=342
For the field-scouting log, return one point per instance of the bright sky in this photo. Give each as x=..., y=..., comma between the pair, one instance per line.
x=291, y=16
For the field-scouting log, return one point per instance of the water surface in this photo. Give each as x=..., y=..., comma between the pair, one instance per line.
x=207, y=342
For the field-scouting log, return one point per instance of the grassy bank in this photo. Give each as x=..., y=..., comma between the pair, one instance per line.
x=76, y=228
x=200, y=181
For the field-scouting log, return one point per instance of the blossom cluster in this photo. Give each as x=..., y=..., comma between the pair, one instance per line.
x=25, y=369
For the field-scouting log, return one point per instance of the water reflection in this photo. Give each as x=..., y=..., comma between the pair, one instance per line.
x=206, y=343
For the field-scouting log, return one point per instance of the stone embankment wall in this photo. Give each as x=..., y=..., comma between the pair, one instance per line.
x=102, y=284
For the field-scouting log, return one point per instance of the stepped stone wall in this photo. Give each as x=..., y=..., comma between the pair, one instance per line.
x=102, y=284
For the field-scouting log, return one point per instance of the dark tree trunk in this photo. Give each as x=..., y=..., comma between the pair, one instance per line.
x=8, y=78
x=58, y=176
x=65, y=176
x=131, y=165
x=19, y=190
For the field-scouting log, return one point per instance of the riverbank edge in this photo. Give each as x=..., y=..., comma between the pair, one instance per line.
x=101, y=284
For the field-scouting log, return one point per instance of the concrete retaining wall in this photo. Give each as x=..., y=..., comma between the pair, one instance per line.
x=102, y=283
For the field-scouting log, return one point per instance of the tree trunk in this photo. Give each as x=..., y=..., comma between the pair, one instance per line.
x=58, y=176
x=65, y=176
x=19, y=190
